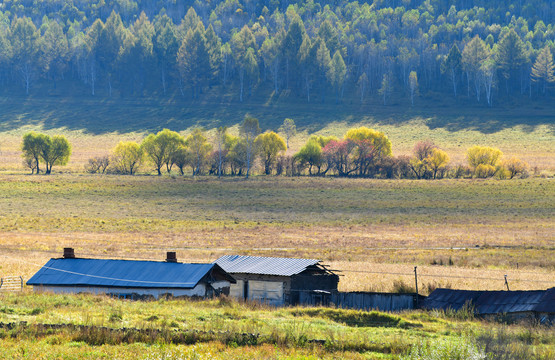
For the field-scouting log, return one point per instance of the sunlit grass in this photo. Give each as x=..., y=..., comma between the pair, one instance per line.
x=450, y=227
x=220, y=324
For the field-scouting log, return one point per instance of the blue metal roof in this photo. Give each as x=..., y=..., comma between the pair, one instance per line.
x=239, y=264
x=120, y=273
x=493, y=302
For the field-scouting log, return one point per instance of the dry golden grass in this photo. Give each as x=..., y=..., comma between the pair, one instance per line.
x=490, y=228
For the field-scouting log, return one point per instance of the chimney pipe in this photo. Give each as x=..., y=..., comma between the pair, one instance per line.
x=171, y=257
x=69, y=253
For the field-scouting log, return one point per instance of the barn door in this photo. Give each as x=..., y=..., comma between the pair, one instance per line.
x=270, y=292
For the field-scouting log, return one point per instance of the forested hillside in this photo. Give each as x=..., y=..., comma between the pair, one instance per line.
x=485, y=52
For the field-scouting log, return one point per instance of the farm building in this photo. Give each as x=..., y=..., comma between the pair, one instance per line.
x=536, y=304
x=279, y=281
x=131, y=279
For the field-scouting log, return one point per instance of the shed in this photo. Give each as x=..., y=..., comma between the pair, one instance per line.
x=131, y=278
x=279, y=281
x=538, y=304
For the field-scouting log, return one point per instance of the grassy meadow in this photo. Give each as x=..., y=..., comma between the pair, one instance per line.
x=92, y=327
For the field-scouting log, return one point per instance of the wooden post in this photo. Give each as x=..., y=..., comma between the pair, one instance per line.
x=416, y=284
x=507, y=283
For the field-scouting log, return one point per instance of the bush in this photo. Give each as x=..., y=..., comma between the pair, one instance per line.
x=484, y=171
x=98, y=165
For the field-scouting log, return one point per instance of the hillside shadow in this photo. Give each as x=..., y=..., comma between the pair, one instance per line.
x=100, y=116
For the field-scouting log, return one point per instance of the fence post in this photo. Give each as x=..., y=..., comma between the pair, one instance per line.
x=507, y=283
x=21, y=278
x=416, y=284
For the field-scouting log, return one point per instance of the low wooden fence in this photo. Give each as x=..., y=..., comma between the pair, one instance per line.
x=11, y=283
x=362, y=300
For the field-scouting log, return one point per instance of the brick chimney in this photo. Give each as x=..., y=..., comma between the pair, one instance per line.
x=171, y=257
x=69, y=253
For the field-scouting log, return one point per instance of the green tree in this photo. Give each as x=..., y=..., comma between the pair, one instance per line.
x=483, y=160
x=193, y=60
x=127, y=157
x=221, y=136
x=323, y=61
x=243, y=44
x=56, y=151
x=413, y=85
x=25, y=45
x=181, y=158
x=54, y=51
x=311, y=154
x=385, y=88
x=510, y=55
x=438, y=161
x=337, y=73
x=109, y=46
x=143, y=50
x=270, y=51
x=291, y=45
x=165, y=47
x=371, y=147
x=269, y=145
x=52, y=151
x=250, y=129
x=289, y=129
x=160, y=148
x=213, y=46
x=543, y=71
x=473, y=56
x=32, y=147
x=452, y=66
x=199, y=148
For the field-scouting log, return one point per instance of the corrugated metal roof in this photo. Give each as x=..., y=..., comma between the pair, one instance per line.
x=493, y=302
x=239, y=264
x=547, y=302
x=119, y=273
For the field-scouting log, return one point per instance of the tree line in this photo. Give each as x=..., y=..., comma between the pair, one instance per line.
x=362, y=152
x=318, y=50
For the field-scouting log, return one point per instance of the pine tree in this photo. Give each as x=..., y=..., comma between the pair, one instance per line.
x=452, y=66
x=510, y=56
x=543, y=69
x=474, y=54
x=193, y=60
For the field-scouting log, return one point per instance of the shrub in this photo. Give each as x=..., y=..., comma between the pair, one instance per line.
x=484, y=171
x=98, y=165
x=514, y=166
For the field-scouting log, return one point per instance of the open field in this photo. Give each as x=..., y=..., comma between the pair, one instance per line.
x=460, y=233
x=92, y=327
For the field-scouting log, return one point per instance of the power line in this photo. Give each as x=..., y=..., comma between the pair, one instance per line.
x=443, y=276
x=100, y=277
x=352, y=271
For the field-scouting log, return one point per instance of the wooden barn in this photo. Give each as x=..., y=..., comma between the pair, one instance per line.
x=279, y=281
x=130, y=278
x=532, y=304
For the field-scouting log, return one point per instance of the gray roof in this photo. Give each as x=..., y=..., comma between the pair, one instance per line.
x=493, y=302
x=239, y=264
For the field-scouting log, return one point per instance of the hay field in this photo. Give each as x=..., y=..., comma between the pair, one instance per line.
x=460, y=233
